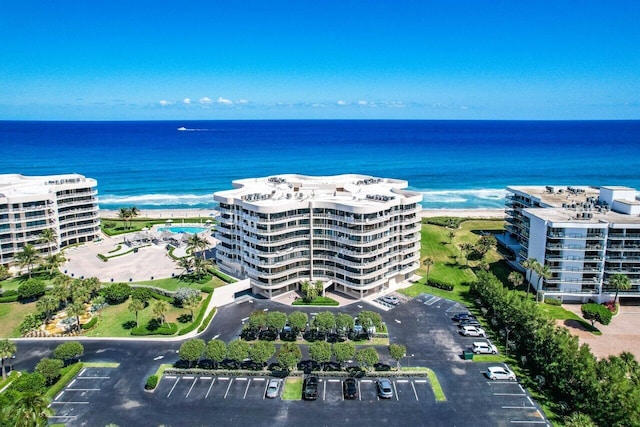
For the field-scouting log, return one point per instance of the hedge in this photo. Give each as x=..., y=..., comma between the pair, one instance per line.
x=198, y=319
x=9, y=298
x=152, y=382
x=220, y=275
x=317, y=301
x=90, y=324
x=156, y=295
x=440, y=285
x=206, y=289
x=166, y=329
x=207, y=320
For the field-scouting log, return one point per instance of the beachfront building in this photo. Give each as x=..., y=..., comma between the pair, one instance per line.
x=356, y=234
x=67, y=204
x=584, y=235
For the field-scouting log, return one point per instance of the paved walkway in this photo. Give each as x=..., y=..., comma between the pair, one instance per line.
x=622, y=334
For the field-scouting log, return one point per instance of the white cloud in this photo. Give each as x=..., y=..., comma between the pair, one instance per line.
x=164, y=103
x=186, y=101
x=243, y=101
x=205, y=100
x=362, y=103
x=224, y=101
x=341, y=102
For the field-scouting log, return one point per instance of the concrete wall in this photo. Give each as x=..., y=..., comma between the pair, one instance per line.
x=225, y=294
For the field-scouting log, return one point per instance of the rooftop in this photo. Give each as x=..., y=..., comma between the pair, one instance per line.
x=16, y=185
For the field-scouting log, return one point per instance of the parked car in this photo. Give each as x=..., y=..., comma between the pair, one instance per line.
x=484, y=347
x=500, y=373
x=473, y=331
x=468, y=322
x=385, y=391
x=390, y=300
x=273, y=388
x=463, y=316
x=310, y=388
x=350, y=389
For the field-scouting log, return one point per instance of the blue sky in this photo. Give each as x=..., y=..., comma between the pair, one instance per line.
x=448, y=59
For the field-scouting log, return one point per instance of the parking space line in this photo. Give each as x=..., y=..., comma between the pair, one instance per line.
x=264, y=392
x=241, y=379
x=402, y=381
x=59, y=395
x=324, y=389
x=258, y=379
x=395, y=390
x=366, y=381
x=82, y=372
x=83, y=389
x=518, y=407
x=228, y=387
x=209, y=390
x=414, y=391
x=93, y=378
x=529, y=399
x=174, y=386
x=246, y=389
x=223, y=378
x=359, y=392
x=72, y=417
x=71, y=383
x=420, y=381
x=170, y=377
x=527, y=422
x=205, y=378
x=187, y=378
x=71, y=403
x=520, y=385
x=191, y=388
x=509, y=394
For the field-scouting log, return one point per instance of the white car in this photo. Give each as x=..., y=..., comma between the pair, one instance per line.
x=473, y=331
x=484, y=347
x=273, y=388
x=390, y=300
x=500, y=373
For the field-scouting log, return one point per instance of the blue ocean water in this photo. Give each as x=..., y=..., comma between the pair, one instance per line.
x=455, y=164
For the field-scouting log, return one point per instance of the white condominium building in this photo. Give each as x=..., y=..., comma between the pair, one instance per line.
x=30, y=204
x=583, y=234
x=357, y=234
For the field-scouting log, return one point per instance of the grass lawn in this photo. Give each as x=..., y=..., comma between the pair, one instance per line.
x=15, y=282
x=292, y=389
x=118, y=227
x=11, y=315
x=114, y=317
x=173, y=283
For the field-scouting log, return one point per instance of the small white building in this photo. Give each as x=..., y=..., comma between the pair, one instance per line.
x=583, y=234
x=30, y=204
x=355, y=233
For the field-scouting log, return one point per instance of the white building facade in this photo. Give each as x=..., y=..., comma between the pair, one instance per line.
x=357, y=234
x=583, y=234
x=30, y=204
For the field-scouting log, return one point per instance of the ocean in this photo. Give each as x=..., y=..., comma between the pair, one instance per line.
x=454, y=164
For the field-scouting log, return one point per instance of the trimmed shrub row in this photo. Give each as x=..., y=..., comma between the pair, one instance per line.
x=206, y=289
x=326, y=301
x=220, y=275
x=9, y=296
x=152, y=382
x=207, y=320
x=440, y=285
x=90, y=324
x=156, y=295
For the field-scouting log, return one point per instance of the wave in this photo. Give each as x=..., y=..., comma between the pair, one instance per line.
x=157, y=199
x=480, y=198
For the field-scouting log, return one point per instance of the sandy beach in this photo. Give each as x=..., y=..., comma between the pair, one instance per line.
x=208, y=213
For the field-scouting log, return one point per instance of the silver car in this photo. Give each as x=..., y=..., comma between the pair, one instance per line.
x=500, y=373
x=273, y=388
x=385, y=391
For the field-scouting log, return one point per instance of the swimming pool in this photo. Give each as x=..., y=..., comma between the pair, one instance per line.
x=185, y=229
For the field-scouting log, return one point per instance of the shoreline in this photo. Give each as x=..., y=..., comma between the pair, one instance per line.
x=484, y=213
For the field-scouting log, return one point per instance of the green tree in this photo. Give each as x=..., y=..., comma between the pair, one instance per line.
x=53, y=262
x=485, y=244
x=620, y=282
x=195, y=244
x=191, y=303
x=200, y=267
x=344, y=351
x=427, y=262
x=47, y=305
x=397, y=352
x=544, y=273
x=369, y=318
x=466, y=249
x=298, y=321
x=596, y=313
x=31, y=289
x=92, y=284
x=258, y=319
x=80, y=293
x=289, y=355
x=191, y=350
x=7, y=350
x=216, y=351
x=76, y=310
x=28, y=257
x=117, y=293
x=451, y=236
x=62, y=286
x=516, y=278
x=49, y=237
x=124, y=214
x=344, y=323
x=530, y=265
x=276, y=320
x=320, y=352
x=367, y=357
x=4, y=273
x=30, y=382
x=159, y=309
x=50, y=369
x=325, y=321
x=141, y=294
x=68, y=350
x=135, y=306
x=578, y=419
x=309, y=291
x=261, y=351
x=29, y=410
x=186, y=264
x=319, y=287
x=238, y=350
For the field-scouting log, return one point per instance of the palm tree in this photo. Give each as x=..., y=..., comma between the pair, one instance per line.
x=135, y=306
x=124, y=214
x=620, y=282
x=159, y=309
x=29, y=410
x=466, y=249
x=47, y=305
x=428, y=262
x=200, y=266
x=516, y=278
x=451, y=236
x=53, y=262
x=529, y=265
x=133, y=212
x=543, y=272
x=62, y=287
x=92, y=284
x=28, y=257
x=196, y=243
x=48, y=236
x=76, y=310
x=191, y=303
x=7, y=350
x=186, y=263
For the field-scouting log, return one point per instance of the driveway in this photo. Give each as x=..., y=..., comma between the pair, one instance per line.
x=618, y=336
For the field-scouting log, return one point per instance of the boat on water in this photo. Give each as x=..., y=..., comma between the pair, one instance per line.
x=182, y=128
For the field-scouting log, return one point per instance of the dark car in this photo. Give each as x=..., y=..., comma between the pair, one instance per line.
x=310, y=388
x=463, y=316
x=350, y=389
x=468, y=322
